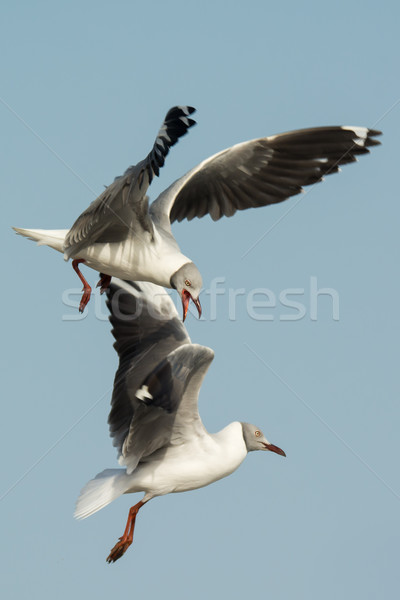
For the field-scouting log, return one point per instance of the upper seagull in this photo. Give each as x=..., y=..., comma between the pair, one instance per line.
x=120, y=235
x=162, y=443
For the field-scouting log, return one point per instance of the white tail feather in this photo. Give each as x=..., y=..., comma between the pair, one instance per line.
x=45, y=237
x=100, y=491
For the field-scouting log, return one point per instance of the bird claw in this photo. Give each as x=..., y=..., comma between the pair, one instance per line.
x=119, y=550
x=104, y=282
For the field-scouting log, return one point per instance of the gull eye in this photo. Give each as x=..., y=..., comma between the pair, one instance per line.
x=188, y=283
x=257, y=433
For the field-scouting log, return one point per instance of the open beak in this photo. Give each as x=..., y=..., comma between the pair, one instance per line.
x=185, y=303
x=273, y=448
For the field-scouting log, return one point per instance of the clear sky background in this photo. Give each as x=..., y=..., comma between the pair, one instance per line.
x=84, y=89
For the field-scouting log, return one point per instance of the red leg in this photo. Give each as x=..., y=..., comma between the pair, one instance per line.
x=87, y=290
x=104, y=282
x=126, y=540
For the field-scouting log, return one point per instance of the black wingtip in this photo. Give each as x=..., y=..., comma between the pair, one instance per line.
x=176, y=124
x=371, y=142
x=179, y=111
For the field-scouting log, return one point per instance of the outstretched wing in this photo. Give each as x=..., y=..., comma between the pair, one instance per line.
x=146, y=327
x=260, y=172
x=123, y=205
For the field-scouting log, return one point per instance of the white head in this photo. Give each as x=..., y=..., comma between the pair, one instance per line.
x=188, y=283
x=255, y=440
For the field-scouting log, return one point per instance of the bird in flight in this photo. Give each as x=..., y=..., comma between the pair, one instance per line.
x=120, y=235
x=154, y=421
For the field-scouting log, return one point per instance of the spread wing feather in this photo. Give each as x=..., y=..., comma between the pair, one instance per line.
x=261, y=172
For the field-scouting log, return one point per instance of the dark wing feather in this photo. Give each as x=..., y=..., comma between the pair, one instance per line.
x=166, y=410
x=146, y=328
x=176, y=124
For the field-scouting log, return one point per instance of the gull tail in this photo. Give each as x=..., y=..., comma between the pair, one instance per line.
x=100, y=491
x=45, y=237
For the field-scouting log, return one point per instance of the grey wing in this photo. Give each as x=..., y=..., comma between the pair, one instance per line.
x=123, y=206
x=261, y=172
x=167, y=405
x=146, y=327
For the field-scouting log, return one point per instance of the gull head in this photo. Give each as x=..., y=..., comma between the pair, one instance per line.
x=188, y=283
x=256, y=440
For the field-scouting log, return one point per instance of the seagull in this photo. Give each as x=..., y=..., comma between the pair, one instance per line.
x=154, y=421
x=120, y=235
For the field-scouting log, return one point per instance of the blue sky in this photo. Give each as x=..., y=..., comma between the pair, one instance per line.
x=84, y=88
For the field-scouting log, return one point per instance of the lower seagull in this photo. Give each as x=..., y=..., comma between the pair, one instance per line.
x=154, y=420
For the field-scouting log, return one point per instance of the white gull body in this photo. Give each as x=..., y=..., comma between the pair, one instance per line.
x=162, y=443
x=152, y=258
x=194, y=464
